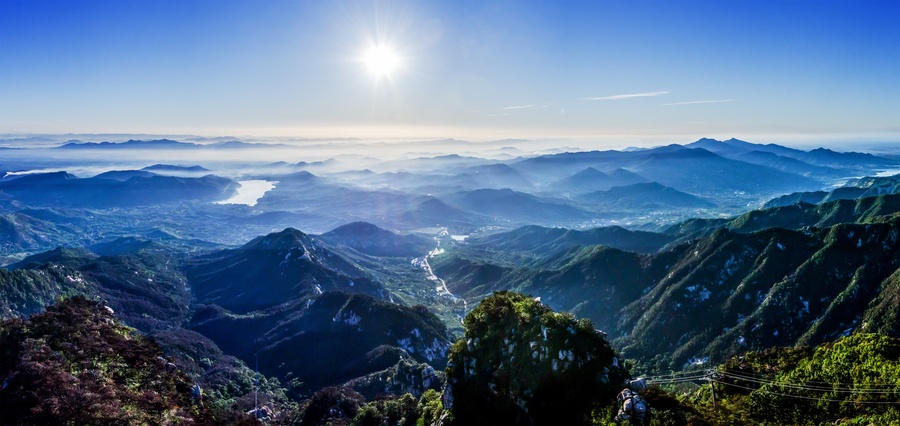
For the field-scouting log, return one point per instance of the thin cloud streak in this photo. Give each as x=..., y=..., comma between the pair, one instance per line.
x=627, y=96
x=518, y=107
x=715, y=101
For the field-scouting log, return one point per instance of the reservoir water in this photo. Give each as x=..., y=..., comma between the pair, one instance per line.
x=887, y=173
x=250, y=192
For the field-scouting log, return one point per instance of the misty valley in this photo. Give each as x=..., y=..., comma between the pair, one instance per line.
x=351, y=281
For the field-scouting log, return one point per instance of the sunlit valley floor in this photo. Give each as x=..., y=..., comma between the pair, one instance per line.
x=749, y=283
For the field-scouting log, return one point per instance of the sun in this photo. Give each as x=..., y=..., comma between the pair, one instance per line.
x=381, y=61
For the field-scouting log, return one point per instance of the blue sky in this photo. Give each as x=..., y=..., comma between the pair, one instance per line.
x=467, y=69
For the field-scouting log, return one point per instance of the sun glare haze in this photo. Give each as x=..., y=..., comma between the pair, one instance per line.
x=381, y=61
x=493, y=69
x=450, y=212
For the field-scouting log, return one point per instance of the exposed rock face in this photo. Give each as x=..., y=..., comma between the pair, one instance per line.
x=406, y=376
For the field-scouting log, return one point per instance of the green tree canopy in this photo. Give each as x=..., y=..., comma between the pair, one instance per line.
x=520, y=362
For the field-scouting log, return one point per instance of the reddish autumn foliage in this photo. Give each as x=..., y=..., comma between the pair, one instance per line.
x=75, y=364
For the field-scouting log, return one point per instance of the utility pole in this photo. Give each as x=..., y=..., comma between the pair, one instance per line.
x=712, y=384
x=256, y=393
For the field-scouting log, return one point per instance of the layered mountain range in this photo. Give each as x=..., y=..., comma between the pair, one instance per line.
x=680, y=256
x=649, y=188
x=770, y=277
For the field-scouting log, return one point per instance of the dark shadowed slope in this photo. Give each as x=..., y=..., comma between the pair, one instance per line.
x=329, y=338
x=274, y=269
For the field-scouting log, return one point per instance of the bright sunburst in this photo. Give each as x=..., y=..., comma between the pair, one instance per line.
x=381, y=61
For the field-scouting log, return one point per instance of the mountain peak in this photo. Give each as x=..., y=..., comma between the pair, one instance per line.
x=821, y=150
x=624, y=173
x=737, y=141
x=175, y=168
x=357, y=228
x=589, y=172
x=301, y=176
x=59, y=255
x=288, y=238
x=42, y=178
x=708, y=140
x=367, y=238
x=289, y=232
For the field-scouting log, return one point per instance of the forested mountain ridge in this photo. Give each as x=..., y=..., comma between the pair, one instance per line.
x=715, y=296
x=733, y=292
x=853, y=189
x=795, y=216
x=852, y=380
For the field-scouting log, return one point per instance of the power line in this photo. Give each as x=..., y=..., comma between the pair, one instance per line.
x=679, y=380
x=663, y=379
x=836, y=389
x=753, y=375
x=856, y=387
x=675, y=376
x=787, y=395
x=715, y=377
x=679, y=373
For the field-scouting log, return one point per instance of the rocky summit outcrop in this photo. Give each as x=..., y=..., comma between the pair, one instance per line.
x=520, y=362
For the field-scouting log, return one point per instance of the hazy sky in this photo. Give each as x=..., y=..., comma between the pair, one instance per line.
x=480, y=69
